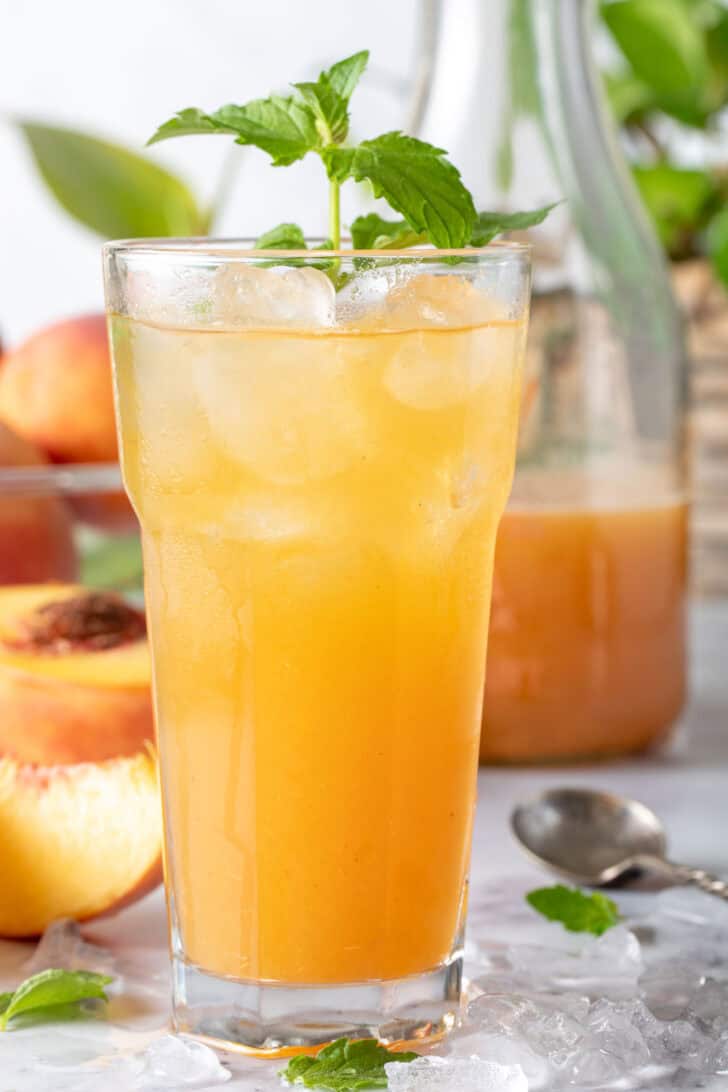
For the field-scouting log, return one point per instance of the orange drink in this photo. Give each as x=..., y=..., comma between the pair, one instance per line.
x=319, y=479
x=586, y=657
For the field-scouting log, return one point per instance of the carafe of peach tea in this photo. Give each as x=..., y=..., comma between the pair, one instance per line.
x=587, y=640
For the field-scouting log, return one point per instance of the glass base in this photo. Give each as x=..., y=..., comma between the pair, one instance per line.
x=271, y=1019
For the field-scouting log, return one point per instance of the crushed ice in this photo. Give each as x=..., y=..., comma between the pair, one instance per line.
x=62, y=945
x=454, y=1075
x=648, y=1000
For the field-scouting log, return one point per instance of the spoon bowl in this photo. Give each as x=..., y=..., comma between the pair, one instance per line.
x=589, y=837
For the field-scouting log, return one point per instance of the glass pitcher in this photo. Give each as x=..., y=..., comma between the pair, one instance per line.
x=587, y=638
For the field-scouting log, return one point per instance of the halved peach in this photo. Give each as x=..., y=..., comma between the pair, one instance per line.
x=77, y=841
x=74, y=676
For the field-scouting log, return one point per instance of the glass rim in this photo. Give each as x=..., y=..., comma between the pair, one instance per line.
x=242, y=249
x=63, y=479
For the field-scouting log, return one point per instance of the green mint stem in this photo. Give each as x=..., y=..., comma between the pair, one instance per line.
x=335, y=214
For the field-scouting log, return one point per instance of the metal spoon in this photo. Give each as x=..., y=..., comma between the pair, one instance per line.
x=595, y=838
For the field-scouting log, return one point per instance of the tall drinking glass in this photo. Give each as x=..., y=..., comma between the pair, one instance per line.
x=319, y=447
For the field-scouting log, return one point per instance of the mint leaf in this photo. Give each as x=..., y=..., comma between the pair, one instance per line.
x=282, y=237
x=577, y=912
x=283, y=127
x=344, y=1066
x=415, y=178
x=490, y=224
x=345, y=75
x=371, y=232
x=189, y=122
x=50, y=989
x=329, y=96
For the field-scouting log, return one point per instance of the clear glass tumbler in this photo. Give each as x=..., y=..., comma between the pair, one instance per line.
x=319, y=447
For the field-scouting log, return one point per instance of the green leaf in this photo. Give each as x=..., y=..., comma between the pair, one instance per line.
x=52, y=988
x=665, y=46
x=344, y=1066
x=415, y=178
x=282, y=237
x=109, y=189
x=283, y=127
x=114, y=562
x=718, y=244
x=189, y=122
x=329, y=96
x=577, y=912
x=629, y=97
x=716, y=41
x=679, y=202
x=345, y=75
x=5, y=999
x=490, y=224
x=371, y=232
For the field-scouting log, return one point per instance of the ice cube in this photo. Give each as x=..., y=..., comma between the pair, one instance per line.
x=589, y=1066
x=611, y=1028
x=507, y=1050
x=681, y=1044
x=434, y=373
x=430, y=299
x=173, y=1061
x=668, y=986
x=233, y=297
x=717, y=1062
x=610, y=963
x=280, y=297
x=708, y=1007
x=454, y=1075
x=62, y=945
x=290, y=409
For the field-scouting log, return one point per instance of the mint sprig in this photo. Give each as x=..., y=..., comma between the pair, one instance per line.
x=415, y=178
x=329, y=96
x=345, y=1065
x=577, y=911
x=49, y=990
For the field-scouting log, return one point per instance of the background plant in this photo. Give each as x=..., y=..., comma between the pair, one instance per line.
x=668, y=90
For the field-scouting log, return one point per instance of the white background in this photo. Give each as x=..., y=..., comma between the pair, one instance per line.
x=117, y=70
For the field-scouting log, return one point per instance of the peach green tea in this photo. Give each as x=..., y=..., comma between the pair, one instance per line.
x=319, y=509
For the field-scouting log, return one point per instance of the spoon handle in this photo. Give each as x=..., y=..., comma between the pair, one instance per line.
x=698, y=877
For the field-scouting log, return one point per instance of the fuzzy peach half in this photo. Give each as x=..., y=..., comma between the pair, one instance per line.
x=77, y=841
x=74, y=676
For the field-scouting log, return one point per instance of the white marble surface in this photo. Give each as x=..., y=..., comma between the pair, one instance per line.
x=687, y=785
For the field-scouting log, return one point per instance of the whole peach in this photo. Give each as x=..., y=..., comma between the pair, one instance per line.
x=56, y=391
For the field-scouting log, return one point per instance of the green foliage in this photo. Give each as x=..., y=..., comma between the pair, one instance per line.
x=329, y=96
x=113, y=562
x=718, y=243
x=675, y=65
x=679, y=201
x=490, y=224
x=49, y=991
x=344, y=1066
x=666, y=50
x=108, y=188
x=282, y=237
x=415, y=178
x=577, y=911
